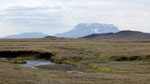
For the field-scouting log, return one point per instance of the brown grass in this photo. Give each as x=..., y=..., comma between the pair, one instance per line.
x=97, y=60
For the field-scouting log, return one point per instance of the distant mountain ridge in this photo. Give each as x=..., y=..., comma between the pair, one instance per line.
x=122, y=35
x=84, y=29
x=27, y=35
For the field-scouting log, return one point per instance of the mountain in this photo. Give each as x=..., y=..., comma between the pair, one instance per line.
x=27, y=35
x=84, y=29
x=122, y=35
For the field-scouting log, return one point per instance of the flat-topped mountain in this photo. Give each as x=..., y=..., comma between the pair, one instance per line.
x=27, y=35
x=84, y=29
x=122, y=35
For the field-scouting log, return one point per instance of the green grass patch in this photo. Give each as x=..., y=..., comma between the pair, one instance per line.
x=26, y=58
x=104, y=69
x=71, y=63
x=14, y=61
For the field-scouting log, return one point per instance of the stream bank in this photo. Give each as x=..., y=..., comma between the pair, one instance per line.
x=34, y=59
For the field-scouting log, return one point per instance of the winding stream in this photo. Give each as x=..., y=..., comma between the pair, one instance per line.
x=42, y=64
x=34, y=63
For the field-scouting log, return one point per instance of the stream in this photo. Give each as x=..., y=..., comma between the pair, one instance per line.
x=42, y=64
x=35, y=63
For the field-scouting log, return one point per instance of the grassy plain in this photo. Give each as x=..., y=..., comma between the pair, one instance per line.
x=102, y=62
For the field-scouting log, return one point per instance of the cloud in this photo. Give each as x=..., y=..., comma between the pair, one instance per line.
x=55, y=16
x=27, y=18
x=32, y=15
x=6, y=29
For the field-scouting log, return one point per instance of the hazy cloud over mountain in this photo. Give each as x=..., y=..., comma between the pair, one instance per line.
x=57, y=16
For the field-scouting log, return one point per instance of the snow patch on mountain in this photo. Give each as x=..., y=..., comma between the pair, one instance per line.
x=84, y=29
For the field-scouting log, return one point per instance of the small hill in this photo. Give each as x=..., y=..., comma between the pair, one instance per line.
x=84, y=29
x=122, y=35
x=27, y=35
x=50, y=37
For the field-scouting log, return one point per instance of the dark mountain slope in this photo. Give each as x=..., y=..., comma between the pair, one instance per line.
x=122, y=35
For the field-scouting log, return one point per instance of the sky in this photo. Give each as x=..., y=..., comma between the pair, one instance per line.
x=58, y=16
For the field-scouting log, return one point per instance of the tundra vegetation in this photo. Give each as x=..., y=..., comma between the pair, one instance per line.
x=101, y=62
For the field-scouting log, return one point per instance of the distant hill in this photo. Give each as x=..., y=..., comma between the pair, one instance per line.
x=122, y=35
x=27, y=35
x=50, y=37
x=84, y=29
